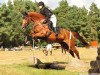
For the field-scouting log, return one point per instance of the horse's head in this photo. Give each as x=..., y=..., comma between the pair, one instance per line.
x=35, y=17
x=26, y=20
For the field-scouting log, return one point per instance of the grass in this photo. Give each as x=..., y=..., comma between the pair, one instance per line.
x=19, y=62
x=25, y=69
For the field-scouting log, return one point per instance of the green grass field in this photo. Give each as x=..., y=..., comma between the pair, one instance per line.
x=20, y=62
x=25, y=69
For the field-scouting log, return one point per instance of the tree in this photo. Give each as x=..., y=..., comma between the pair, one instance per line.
x=10, y=22
x=93, y=18
x=78, y=19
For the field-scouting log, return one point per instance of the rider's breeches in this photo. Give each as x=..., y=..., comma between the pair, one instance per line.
x=49, y=47
x=54, y=20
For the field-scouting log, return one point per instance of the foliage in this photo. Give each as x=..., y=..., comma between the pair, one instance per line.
x=79, y=19
x=10, y=22
x=69, y=17
x=26, y=69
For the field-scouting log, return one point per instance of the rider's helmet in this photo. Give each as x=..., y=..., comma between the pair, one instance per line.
x=41, y=3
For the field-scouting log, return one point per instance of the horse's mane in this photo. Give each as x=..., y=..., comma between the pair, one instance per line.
x=36, y=15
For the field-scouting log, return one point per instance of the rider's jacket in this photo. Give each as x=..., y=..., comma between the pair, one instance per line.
x=46, y=12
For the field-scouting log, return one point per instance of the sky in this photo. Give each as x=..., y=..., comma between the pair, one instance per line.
x=1, y=1
x=55, y=3
x=79, y=3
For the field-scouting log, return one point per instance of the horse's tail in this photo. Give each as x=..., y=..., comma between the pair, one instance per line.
x=80, y=38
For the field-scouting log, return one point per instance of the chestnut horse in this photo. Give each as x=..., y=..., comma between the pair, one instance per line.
x=65, y=38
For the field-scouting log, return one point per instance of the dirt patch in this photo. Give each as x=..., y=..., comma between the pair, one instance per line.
x=14, y=57
x=76, y=65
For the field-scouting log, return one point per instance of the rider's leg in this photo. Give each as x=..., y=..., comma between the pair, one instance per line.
x=55, y=29
x=54, y=20
x=50, y=25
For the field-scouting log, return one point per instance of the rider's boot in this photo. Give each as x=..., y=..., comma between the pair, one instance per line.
x=55, y=31
x=50, y=25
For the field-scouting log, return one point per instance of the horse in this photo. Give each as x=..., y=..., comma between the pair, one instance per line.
x=66, y=38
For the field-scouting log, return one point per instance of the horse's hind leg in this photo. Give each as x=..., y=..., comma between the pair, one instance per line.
x=76, y=52
x=72, y=53
x=64, y=50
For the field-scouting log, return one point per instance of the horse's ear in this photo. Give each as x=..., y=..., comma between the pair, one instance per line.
x=24, y=13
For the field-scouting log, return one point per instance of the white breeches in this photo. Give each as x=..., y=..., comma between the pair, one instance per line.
x=49, y=47
x=53, y=20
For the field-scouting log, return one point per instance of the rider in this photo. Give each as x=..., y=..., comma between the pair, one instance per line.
x=49, y=16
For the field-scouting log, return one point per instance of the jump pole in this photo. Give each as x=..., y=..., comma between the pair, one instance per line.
x=69, y=45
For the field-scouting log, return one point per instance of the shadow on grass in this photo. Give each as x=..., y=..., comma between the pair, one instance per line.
x=54, y=65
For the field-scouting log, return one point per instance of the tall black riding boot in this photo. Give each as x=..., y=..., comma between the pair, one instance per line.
x=55, y=30
x=50, y=25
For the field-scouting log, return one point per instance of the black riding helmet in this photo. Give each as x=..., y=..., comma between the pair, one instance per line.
x=41, y=3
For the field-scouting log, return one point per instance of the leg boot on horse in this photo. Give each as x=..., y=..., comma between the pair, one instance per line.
x=50, y=52
x=46, y=53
